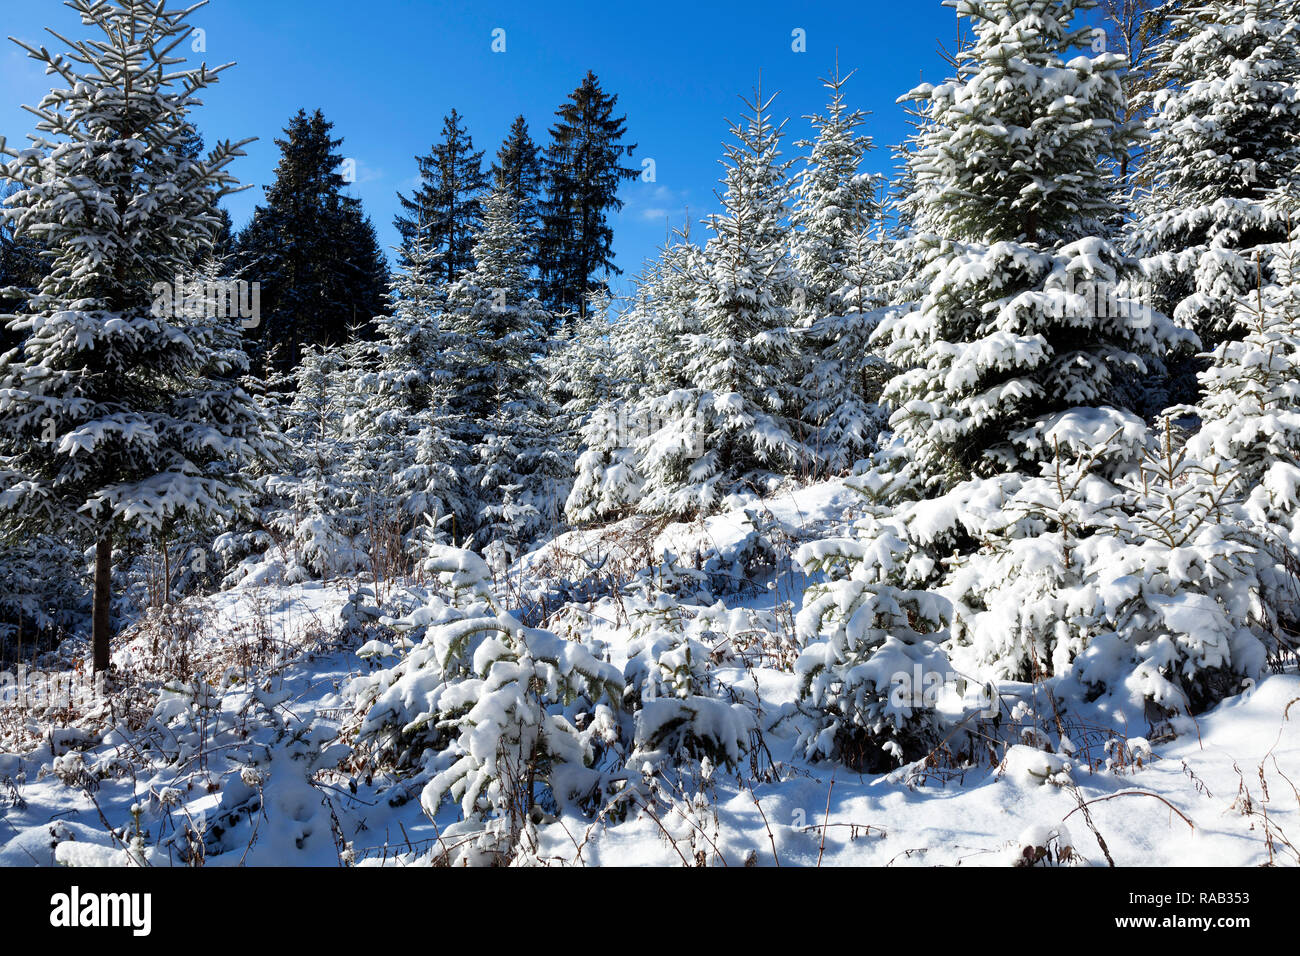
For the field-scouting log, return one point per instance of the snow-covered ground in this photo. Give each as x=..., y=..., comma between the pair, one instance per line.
x=227, y=740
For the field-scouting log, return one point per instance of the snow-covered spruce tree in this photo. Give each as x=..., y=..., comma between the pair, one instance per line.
x=402, y=433
x=1250, y=415
x=1140, y=591
x=580, y=365
x=42, y=592
x=649, y=353
x=1025, y=316
x=113, y=416
x=905, y=282
x=1023, y=609
x=738, y=419
x=517, y=474
x=1091, y=548
x=1176, y=588
x=846, y=372
x=1010, y=359
x=486, y=708
x=159, y=565
x=834, y=211
x=316, y=513
x=166, y=565
x=607, y=482
x=524, y=476
x=21, y=265
x=1225, y=131
x=871, y=654
x=369, y=422
x=240, y=547
x=668, y=314
x=518, y=167
x=595, y=381
x=834, y=201
x=679, y=712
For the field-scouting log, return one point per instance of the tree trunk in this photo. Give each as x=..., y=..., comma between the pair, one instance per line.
x=99, y=633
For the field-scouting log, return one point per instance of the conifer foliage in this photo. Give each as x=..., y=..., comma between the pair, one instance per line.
x=113, y=416
x=582, y=169
x=518, y=168
x=739, y=419
x=898, y=488
x=1225, y=134
x=513, y=474
x=444, y=212
x=312, y=248
x=1026, y=313
x=842, y=269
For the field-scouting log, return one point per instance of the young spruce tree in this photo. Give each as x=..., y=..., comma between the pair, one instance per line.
x=834, y=212
x=516, y=480
x=1025, y=314
x=738, y=419
x=115, y=416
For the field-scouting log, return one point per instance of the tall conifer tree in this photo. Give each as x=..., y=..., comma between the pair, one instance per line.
x=445, y=212
x=312, y=248
x=583, y=169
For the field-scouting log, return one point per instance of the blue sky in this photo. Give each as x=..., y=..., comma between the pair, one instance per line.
x=386, y=71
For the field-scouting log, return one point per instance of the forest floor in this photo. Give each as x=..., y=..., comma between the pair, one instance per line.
x=225, y=739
